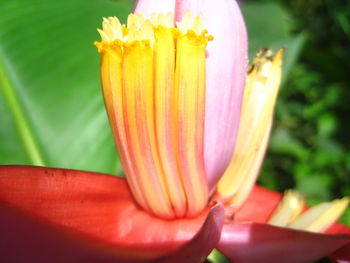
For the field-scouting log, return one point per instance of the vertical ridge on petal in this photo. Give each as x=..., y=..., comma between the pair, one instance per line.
x=166, y=115
x=190, y=83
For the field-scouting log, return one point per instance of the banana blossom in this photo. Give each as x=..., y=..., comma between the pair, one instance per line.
x=177, y=98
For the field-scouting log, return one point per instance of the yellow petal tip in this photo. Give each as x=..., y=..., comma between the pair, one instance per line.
x=289, y=208
x=322, y=216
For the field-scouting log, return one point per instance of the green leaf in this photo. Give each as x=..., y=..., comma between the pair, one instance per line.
x=283, y=142
x=269, y=26
x=51, y=105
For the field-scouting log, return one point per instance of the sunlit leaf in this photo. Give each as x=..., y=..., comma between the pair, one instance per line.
x=270, y=26
x=51, y=108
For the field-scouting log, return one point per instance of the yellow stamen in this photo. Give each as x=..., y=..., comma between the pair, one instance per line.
x=321, y=217
x=155, y=97
x=256, y=118
x=288, y=210
x=289, y=213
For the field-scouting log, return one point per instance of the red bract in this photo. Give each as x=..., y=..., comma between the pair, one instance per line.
x=57, y=215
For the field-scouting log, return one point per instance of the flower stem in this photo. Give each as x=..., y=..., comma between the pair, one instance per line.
x=20, y=119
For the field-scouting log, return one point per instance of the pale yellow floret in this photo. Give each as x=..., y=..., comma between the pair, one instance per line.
x=141, y=32
x=156, y=108
x=111, y=29
x=316, y=219
x=141, y=29
x=189, y=22
x=166, y=20
x=320, y=217
x=135, y=20
x=288, y=210
x=104, y=36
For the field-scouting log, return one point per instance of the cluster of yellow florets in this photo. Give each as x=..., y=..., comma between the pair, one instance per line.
x=140, y=29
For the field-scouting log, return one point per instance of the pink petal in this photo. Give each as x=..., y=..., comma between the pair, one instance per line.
x=97, y=208
x=253, y=242
x=147, y=7
x=226, y=73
